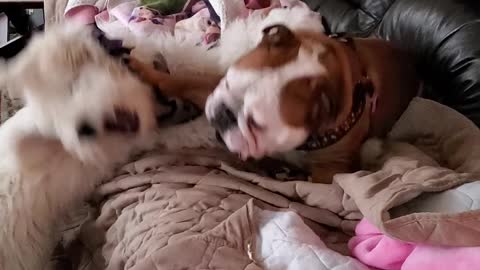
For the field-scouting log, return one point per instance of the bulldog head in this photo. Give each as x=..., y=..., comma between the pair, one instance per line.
x=288, y=87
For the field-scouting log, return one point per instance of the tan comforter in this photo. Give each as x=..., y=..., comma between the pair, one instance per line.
x=192, y=210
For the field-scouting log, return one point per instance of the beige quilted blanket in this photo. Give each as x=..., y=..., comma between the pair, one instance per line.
x=191, y=210
x=194, y=210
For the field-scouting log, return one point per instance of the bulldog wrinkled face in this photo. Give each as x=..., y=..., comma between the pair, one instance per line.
x=271, y=99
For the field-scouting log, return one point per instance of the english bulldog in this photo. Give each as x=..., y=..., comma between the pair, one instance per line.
x=301, y=90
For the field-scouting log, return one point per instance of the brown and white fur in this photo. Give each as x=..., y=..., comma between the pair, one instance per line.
x=294, y=83
x=85, y=113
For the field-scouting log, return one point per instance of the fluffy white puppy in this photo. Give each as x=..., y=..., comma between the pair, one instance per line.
x=85, y=114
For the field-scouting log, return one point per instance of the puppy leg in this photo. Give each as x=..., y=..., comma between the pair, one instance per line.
x=195, y=89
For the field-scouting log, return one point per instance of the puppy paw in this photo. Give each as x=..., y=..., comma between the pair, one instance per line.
x=143, y=70
x=159, y=63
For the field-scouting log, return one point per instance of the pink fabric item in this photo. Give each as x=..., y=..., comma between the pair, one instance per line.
x=375, y=249
x=82, y=14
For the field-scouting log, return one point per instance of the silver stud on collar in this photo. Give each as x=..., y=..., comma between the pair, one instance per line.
x=333, y=135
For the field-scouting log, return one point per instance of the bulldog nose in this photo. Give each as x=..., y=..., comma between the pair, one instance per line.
x=223, y=118
x=279, y=35
x=220, y=139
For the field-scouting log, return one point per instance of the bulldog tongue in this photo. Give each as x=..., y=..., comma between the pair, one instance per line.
x=236, y=143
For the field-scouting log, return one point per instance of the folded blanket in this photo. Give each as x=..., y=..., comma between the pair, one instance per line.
x=444, y=157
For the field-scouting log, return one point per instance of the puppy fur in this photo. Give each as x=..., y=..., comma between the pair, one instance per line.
x=46, y=168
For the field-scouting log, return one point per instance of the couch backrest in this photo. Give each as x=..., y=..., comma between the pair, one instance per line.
x=360, y=17
x=443, y=34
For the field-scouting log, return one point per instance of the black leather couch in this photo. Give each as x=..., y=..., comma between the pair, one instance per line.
x=443, y=34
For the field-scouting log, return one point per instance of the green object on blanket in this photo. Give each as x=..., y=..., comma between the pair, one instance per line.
x=165, y=7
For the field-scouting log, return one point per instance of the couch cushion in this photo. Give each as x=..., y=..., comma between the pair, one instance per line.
x=360, y=17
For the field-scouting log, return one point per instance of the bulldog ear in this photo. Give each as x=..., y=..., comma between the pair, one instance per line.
x=279, y=35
